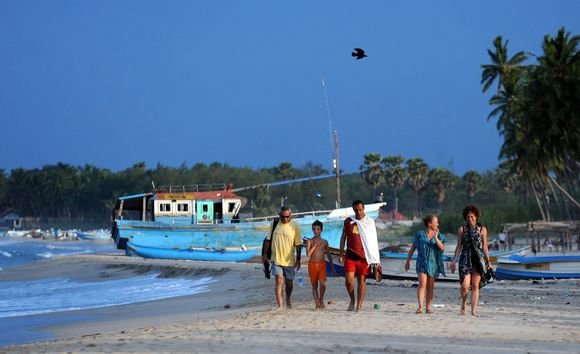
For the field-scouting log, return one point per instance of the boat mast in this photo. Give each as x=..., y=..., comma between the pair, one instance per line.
x=336, y=169
x=334, y=146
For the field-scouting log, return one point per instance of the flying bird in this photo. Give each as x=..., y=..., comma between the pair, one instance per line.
x=358, y=53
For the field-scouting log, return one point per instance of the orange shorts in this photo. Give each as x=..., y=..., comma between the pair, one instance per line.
x=317, y=271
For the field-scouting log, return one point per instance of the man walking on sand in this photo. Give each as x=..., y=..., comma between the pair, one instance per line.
x=360, y=236
x=285, y=240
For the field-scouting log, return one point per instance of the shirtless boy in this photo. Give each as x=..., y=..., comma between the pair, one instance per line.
x=316, y=247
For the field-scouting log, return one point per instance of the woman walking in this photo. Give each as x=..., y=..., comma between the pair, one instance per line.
x=473, y=257
x=429, y=244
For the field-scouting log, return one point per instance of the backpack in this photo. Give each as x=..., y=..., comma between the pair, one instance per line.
x=268, y=251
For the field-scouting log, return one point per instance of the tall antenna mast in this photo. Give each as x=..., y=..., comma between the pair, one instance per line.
x=333, y=146
x=337, y=169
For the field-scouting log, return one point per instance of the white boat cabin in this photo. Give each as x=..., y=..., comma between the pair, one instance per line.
x=182, y=205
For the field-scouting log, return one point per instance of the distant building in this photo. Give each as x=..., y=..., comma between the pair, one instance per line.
x=392, y=216
x=9, y=220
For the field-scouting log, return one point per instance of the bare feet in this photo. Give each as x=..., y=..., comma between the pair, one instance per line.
x=474, y=314
x=350, y=307
x=419, y=310
x=359, y=308
x=428, y=311
x=462, y=311
x=322, y=306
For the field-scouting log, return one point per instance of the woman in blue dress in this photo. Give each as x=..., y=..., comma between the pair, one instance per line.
x=429, y=244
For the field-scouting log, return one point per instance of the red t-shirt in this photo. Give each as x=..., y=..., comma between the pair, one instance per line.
x=353, y=240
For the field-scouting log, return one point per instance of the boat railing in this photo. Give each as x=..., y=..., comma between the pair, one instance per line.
x=191, y=188
x=299, y=215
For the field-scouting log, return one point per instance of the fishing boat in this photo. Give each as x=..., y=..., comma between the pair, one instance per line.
x=170, y=220
x=196, y=254
x=94, y=235
x=394, y=263
x=516, y=267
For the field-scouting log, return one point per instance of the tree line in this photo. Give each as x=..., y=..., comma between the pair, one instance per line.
x=89, y=193
x=537, y=107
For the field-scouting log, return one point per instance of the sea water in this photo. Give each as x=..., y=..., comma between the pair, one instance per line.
x=21, y=300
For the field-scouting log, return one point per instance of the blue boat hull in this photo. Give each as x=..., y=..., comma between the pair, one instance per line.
x=508, y=274
x=192, y=254
x=516, y=267
x=242, y=234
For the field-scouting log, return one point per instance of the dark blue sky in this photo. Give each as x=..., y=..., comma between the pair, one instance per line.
x=112, y=83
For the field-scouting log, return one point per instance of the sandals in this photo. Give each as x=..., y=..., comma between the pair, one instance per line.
x=419, y=311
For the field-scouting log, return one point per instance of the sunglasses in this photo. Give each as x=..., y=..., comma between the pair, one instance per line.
x=285, y=216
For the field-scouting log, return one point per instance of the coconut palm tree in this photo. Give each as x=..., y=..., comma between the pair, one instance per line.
x=371, y=171
x=417, y=180
x=472, y=179
x=501, y=67
x=395, y=174
x=442, y=180
x=284, y=172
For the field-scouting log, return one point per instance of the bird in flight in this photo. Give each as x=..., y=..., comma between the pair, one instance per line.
x=358, y=53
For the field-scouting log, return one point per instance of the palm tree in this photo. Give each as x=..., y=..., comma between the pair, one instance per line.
x=372, y=171
x=442, y=180
x=501, y=67
x=285, y=171
x=395, y=174
x=471, y=179
x=417, y=180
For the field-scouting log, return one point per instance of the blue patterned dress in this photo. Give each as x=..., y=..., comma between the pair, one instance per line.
x=429, y=256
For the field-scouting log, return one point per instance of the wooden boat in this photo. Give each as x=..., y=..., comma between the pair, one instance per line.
x=516, y=267
x=94, y=235
x=196, y=254
x=394, y=264
x=206, y=217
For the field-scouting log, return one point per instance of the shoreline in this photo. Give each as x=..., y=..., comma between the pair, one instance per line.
x=238, y=314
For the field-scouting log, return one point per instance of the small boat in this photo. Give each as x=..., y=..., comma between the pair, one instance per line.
x=195, y=254
x=16, y=233
x=94, y=235
x=205, y=217
x=394, y=264
x=516, y=267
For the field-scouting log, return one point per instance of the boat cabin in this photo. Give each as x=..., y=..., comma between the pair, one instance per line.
x=182, y=205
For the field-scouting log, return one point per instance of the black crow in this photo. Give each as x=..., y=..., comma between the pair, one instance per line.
x=358, y=53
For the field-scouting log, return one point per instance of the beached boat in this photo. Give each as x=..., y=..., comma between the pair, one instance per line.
x=94, y=235
x=206, y=217
x=394, y=263
x=195, y=254
x=516, y=267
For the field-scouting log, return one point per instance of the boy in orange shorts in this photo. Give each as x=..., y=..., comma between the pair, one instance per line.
x=316, y=247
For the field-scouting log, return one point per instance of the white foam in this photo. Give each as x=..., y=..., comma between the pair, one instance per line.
x=57, y=294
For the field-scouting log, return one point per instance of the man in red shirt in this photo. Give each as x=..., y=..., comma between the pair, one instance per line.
x=355, y=260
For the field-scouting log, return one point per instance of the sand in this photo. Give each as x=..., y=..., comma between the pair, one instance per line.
x=238, y=315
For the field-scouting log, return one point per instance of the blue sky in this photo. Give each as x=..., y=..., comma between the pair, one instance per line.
x=112, y=83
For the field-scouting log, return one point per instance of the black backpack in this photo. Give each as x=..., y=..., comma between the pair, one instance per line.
x=268, y=251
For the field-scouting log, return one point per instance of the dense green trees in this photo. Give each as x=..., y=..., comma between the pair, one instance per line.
x=537, y=107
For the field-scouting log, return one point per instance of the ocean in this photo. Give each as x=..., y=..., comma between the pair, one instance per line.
x=21, y=300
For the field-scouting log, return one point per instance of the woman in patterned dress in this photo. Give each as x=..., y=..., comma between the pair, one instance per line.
x=429, y=244
x=473, y=257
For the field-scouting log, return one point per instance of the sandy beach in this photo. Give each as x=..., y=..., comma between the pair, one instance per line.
x=238, y=315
